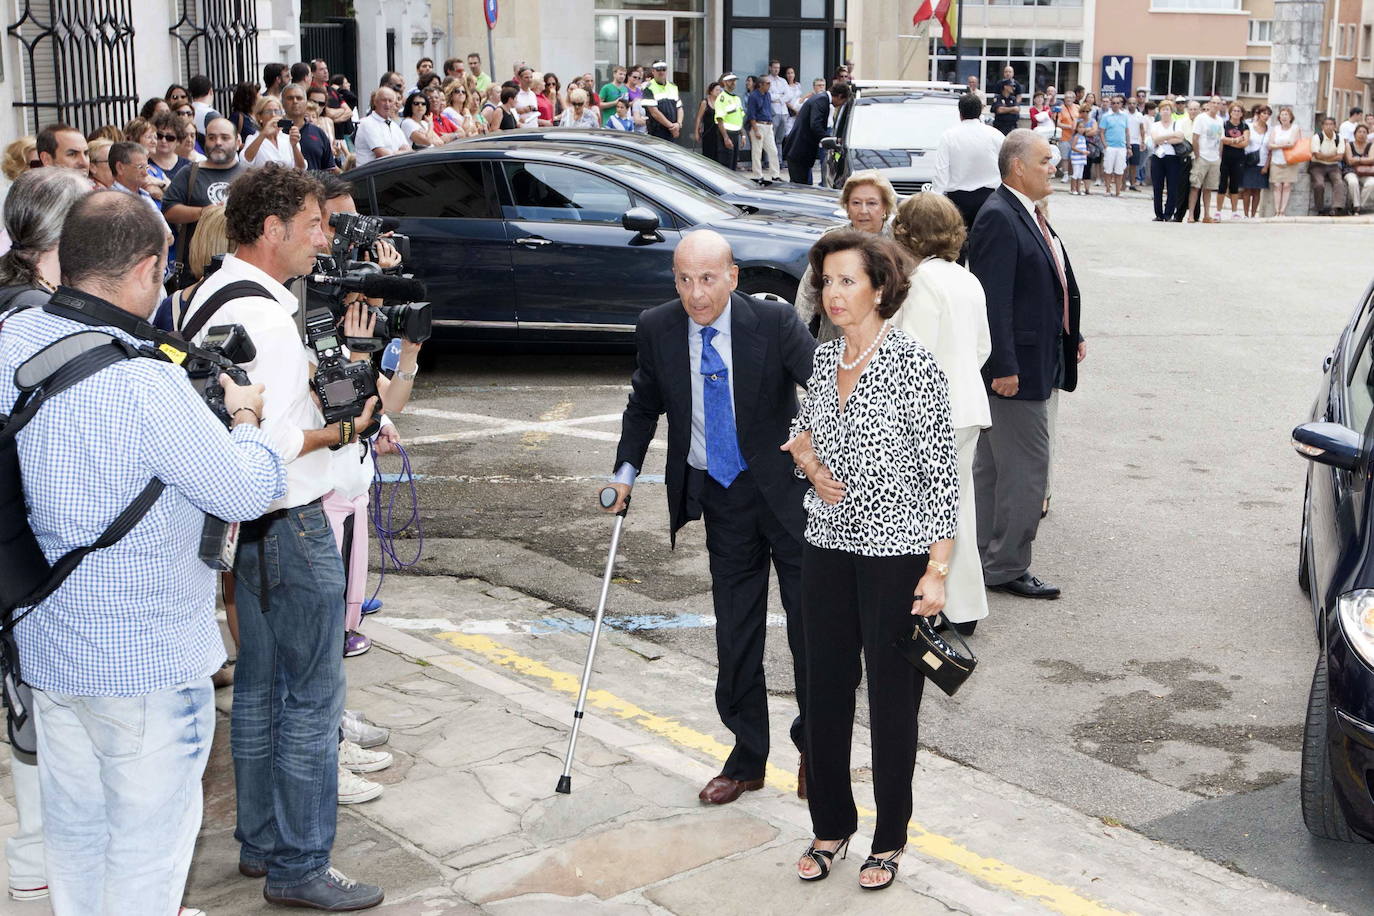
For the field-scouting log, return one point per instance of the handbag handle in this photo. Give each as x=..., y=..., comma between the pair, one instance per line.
x=952, y=629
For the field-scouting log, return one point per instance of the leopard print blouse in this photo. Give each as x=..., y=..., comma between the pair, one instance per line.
x=892, y=447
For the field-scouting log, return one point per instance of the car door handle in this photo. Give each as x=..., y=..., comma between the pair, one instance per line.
x=533, y=240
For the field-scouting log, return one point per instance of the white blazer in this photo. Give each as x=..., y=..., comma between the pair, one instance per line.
x=946, y=311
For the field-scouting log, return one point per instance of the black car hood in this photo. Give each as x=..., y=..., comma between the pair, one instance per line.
x=790, y=198
x=790, y=226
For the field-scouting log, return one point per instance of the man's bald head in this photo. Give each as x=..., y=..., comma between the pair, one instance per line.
x=705, y=273
x=704, y=244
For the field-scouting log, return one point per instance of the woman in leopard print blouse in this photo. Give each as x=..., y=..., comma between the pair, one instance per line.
x=875, y=440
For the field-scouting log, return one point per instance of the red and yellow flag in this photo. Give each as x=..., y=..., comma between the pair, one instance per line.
x=945, y=12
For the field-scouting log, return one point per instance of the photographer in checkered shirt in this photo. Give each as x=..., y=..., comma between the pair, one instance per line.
x=120, y=656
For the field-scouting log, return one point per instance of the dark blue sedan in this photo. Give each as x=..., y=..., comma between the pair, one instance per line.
x=1336, y=569
x=693, y=168
x=537, y=242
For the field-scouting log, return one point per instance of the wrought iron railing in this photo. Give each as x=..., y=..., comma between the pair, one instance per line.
x=77, y=59
x=218, y=38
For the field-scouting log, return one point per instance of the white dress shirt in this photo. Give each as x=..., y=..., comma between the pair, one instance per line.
x=282, y=366
x=696, y=455
x=376, y=132
x=966, y=157
x=946, y=311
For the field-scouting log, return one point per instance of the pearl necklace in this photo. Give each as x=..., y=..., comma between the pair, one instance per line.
x=882, y=332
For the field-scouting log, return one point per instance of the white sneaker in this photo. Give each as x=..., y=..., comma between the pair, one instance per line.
x=190, y=911
x=360, y=760
x=39, y=892
x=354, y=790
x=362, y=732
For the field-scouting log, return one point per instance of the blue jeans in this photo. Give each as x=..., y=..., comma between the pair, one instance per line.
x=288, y=695
x=120, y=780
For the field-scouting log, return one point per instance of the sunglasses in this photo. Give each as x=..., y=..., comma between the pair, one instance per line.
x=186, y=112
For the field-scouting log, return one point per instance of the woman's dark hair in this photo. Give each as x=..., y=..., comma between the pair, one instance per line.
x=508, y=93
x=557, y=83
x=428, y=80
x=173, y=88
x=885, y=262
x=273, y=190
x=149, y=109
x=245, y=97
x=408, y=109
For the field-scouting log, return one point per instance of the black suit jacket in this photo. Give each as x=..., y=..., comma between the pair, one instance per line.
x=1008, y=255
x=772, y=354
x=807, y=130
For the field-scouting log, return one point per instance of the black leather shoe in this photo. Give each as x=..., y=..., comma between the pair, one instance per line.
x=1027, y=586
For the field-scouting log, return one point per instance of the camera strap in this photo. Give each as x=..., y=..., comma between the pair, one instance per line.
x=241, y=289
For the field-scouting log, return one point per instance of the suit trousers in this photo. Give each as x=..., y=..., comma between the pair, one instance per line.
x=965, y=598
x=969, y=203
x=853, y=608
x=799, y=171
x=742, y=536
x=730, y=157
x=1009, y=474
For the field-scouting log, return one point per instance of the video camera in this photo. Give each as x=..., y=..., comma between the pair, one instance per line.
x=404, y=313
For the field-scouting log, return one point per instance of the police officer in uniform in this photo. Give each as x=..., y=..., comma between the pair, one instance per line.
x=665, y=112
x=729, y=121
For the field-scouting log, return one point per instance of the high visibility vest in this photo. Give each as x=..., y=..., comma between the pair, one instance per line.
x=729, y=110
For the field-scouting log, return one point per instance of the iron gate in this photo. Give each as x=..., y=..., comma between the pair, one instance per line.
x=77, y=60
x=336, y=42
x=218, y=38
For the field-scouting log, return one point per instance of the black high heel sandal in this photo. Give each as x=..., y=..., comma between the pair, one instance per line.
x=823, y=858
x=888, y=865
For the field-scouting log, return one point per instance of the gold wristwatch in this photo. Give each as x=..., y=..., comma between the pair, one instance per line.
x=941, y=568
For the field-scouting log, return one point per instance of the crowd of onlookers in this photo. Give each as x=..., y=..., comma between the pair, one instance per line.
x=1191, y=151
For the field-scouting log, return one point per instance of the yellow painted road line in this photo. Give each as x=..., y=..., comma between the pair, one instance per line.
x=1059, y=898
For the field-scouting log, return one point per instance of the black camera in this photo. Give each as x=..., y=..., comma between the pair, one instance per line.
x=356, y=234
x=232, y=343
x=285, y=124
x=343, y=386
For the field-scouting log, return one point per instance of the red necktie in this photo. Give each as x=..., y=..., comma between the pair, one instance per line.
x=1058, y=265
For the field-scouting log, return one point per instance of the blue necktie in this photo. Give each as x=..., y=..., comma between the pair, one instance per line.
x=723, y=460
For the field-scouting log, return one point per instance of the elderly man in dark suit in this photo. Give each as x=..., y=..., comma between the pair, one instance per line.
x=811, y=124
x=1033, y=315
x=725, y=368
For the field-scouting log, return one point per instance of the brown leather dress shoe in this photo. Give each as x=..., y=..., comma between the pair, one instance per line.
x=722, y=790
x=801, y=777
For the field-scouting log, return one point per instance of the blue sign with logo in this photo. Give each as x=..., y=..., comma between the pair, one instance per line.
x=490, y=10
x=1116, y=75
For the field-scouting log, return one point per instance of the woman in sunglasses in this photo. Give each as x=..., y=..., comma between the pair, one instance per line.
x=164, y=162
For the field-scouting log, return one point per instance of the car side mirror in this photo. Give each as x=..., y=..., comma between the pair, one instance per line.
x=1330, y=444
x=644, y=221
x=830, y=143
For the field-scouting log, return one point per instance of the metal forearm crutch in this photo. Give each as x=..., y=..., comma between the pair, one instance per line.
x=608, y=497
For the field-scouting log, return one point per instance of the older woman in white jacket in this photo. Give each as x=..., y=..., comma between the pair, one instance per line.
x=946, y=311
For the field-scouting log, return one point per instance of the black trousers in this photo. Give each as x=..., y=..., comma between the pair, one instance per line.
x=799, y=171
x=1166, y=174
x=969, y=203
x=855, y=605
x=730, y=157
x=742, y=536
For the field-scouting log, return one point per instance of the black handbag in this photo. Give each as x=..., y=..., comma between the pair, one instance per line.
x=1252, y=158
x=940, y=662
x=1183, y=148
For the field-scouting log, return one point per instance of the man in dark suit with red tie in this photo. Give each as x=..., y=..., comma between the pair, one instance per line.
x=1033, y=316
x=725, y=368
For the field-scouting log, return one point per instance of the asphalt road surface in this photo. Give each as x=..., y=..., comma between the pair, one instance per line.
x=1166, y=689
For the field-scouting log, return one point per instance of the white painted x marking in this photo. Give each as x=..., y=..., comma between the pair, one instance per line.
x=500, y=426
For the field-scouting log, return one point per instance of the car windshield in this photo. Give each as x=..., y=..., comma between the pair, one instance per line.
x=674, y=193
x=709, y=169
x=915, y=123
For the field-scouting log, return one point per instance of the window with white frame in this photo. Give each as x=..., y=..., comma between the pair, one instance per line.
x=1195, y=6
x=1261, y=31
x=1192, y=77
x=1366, y=40
x=1254, y=83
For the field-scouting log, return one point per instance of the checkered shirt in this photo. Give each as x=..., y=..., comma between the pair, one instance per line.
x=138, y=616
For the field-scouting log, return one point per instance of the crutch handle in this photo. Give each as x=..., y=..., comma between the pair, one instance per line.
x=608, y=497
